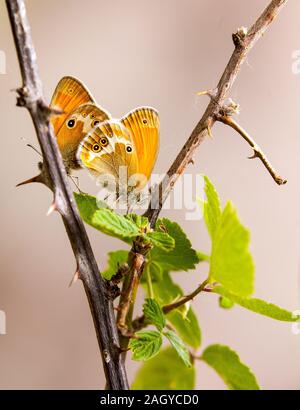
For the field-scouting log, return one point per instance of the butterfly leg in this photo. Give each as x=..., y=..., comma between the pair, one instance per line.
x=131, y=202
x=75, y=181
x=135, y=199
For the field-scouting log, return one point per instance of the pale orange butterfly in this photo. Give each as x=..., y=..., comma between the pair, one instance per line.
x=89, y=138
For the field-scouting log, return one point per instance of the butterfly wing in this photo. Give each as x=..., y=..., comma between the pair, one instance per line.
x=69, y=94
x=75, y=127
x=108, y=151
x=143, y=125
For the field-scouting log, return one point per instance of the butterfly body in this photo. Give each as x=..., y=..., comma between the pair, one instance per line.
x=89, y=138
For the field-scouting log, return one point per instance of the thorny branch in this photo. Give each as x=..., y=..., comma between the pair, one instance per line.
x=53, y=175
x=243, y=41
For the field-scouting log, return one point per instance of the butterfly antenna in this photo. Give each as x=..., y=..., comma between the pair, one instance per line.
x=34, y=149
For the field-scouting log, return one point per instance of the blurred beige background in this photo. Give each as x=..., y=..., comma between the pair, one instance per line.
x=158, y=53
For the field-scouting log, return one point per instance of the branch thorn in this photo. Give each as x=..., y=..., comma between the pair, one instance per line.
x=75, y=278
x=52, y=208
x=209, y=132
x=210, y=93
x=38, y=178
x=254, y=155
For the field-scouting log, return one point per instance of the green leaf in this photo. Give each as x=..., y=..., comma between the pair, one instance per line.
x=115, y=260
x=231, y=263
x=166, y=371
x=154, y=314
x=187, y=327
x=182, y=257
x=165, y=292
x=179, y=346
x=106, y=220
x=258, y=306
x=161, y=240
x=88, y=205
x=115, y=225
x=227, y=364
x=140, y=221
x=98, y=215
x=146, y=344
x=211, y=207
x=126, y=228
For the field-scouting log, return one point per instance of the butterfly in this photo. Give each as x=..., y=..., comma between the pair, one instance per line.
x=88, y=137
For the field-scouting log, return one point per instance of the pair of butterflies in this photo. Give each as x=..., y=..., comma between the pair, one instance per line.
x=89, y=138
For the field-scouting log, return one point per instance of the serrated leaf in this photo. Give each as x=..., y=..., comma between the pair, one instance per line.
x=166, y=291
x=231, y=263
x=211, y=207
x=140, y=221
x=124, y=227
x=187, y=327
x=115, y=260
x=145, y=345
x=179, y=346
x=161, y=240
x=258, y=306
x=113, y=224
x=182, y=257
x=166, y=371
x=227, y=364
x=99, y=216
x=154, y=314
x=88, y=205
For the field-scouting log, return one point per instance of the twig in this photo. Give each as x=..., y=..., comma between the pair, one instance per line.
x=54, y=176
x=136, y=261
x=131, y=282
x=185, y=299
x=257, y=152
x=139, y=322
x=244, y=41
